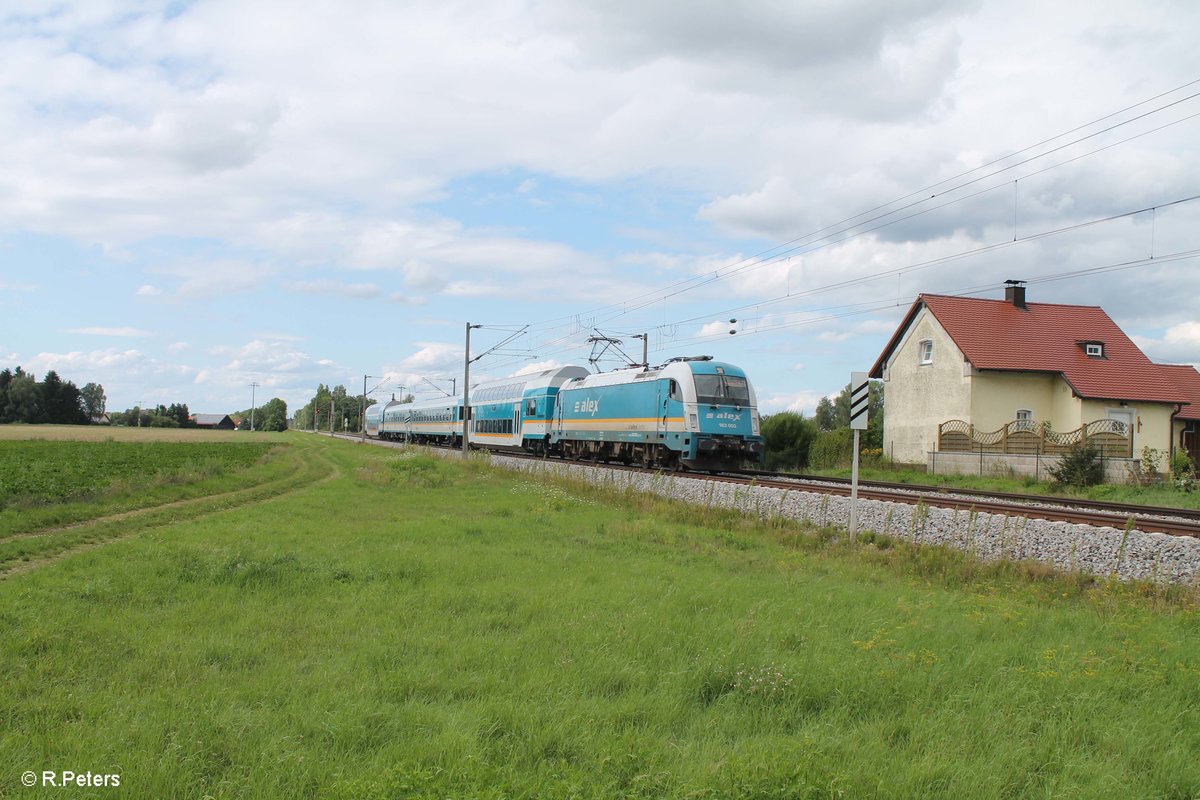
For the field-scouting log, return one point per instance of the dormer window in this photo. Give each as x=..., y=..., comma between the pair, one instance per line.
x=1094, y=349
x=925, y=351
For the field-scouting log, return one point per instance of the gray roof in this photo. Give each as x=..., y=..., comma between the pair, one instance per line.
x=209, y=419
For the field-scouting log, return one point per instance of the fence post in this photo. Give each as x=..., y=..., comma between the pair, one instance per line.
x=1004, y=439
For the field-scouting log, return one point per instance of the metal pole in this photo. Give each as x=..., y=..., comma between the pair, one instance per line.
x=466, y=407
x=253, y=386
x=362, y=413
x=331, y=415
x=854, y=490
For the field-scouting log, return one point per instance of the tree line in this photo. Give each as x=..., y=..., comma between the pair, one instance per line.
x=825, y=441
x=51, y=400
x=346, y=409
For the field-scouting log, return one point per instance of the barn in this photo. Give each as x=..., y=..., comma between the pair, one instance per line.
x=218, y=422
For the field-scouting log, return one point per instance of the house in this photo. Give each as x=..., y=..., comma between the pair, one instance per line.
x=220, y=422
x=1186, y=431
x=1012, y=366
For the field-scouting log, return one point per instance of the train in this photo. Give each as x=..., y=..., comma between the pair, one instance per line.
x=689, y=413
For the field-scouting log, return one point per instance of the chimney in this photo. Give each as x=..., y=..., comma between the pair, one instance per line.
x=1014, y=293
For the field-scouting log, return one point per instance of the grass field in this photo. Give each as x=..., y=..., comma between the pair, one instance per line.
x=104, y=433
x=390, y=624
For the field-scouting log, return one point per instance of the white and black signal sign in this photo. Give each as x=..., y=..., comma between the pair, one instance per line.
x=860, y=394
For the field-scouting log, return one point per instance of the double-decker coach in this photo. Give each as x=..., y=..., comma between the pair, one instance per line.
x=515, y=413
x=691, y=412
x=437, y=421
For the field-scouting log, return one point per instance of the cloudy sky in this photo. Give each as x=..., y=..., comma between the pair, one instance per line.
x=195, y=196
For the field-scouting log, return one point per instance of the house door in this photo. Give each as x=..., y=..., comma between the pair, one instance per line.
x=1191, y=441
x=1125, y=416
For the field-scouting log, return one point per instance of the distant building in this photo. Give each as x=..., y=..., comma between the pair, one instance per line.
x=102, y=419
x=219, y=422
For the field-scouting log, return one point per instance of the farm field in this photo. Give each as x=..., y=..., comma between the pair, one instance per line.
x=55, y=481
x=385, y=623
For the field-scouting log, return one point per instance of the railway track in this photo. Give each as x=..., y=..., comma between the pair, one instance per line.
x=1150, y=519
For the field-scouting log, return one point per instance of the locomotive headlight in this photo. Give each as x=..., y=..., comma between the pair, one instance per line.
x=754, y=423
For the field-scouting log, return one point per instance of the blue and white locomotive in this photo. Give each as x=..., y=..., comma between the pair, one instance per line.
x=692, y=413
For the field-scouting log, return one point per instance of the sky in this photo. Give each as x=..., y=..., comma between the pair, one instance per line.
x=200, y=196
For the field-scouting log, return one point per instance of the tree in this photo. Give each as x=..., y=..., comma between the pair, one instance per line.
x=787, y=437
x=24, y=398
x=94, y=400
x=179, y=412
x=6, y=379
x=834, y=414
x=826, y=415
x=274, y=416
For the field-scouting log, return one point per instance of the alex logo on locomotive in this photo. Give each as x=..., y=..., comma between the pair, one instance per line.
x=587, y=407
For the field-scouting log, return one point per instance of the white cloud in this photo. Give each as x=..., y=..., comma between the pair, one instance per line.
x=1180, y=344
x=178, y=347
x=432, y=357
x=146, y=290
x=717, y=328
x=12, y=286
x=219, y=278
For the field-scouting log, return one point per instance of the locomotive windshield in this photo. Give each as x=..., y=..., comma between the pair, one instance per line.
x=722, y=390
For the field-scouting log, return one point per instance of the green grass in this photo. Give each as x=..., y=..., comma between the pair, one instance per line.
x=415, y=627
x=34, y=472
x=56, y=483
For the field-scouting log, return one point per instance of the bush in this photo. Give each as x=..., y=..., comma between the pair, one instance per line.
x=788, y=438
x=1080, y=467
x=832, y=449
x=1183, y=471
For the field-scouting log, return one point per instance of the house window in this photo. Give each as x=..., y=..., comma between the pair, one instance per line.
x=1024, y=420
x=1024, y=413
x=925, y=350
x=1094, y=350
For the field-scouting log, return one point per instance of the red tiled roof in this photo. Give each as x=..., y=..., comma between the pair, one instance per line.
x=1046, y=337
x=1188, y=380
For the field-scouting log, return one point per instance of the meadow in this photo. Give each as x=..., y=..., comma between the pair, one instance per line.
x=387, y=624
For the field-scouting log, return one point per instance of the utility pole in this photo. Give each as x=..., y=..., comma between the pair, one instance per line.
x=139, y=412
x=466, y=409
x=362, y=413
x=253, y=386
x=331, y=414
